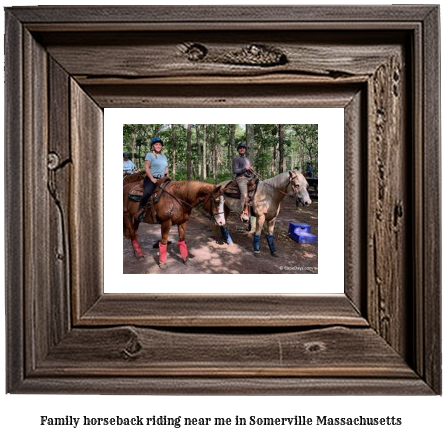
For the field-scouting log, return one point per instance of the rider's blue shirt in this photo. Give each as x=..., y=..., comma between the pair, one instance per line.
x=128, y=166
x=158, y=164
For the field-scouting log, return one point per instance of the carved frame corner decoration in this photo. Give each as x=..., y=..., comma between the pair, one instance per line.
x=379, y=63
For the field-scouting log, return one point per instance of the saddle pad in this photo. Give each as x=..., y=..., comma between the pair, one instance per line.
x=232, y=190
x=136, y=198
x=137, y=191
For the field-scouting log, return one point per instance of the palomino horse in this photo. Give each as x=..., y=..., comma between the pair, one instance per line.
x=174, y=207
x=266, y=204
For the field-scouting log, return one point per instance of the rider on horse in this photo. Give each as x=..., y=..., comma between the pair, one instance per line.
x=242, y=169
x=128, y=166
x=156, y=167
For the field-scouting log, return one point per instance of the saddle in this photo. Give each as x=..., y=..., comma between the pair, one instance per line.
x=136, y=194
x=232, y=191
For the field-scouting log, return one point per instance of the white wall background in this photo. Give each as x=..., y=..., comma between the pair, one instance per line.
x=20, y=414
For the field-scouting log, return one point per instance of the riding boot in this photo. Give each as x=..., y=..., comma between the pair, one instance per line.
x=183, y=250
x=270, y=239
x=256, y=243
x=141, y=214
x=162, y=255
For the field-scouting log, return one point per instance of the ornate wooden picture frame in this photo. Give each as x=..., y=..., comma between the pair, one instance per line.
x=64, y=65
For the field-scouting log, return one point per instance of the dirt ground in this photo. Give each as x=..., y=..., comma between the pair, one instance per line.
x=209, y=255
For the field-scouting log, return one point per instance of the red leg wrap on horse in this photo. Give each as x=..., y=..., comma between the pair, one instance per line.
x=162, y=252
x=183, y=250
x=136, y=248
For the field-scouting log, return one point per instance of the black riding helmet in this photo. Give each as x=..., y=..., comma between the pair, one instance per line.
x=156, y=140
x=242, y=145
x=125, y=155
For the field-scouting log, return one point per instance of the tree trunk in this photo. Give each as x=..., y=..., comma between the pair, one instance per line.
x=232, y=143
x=250, y=142
x=281, y=146
x=274, y=150
x=134, y=137
x=204, y=154
x=189, y=155
x=174, y=151
x=215, y=156
x=199, y=152
x=260, y=147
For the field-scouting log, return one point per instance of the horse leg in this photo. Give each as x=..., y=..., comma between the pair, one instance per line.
x=270, y=237
x=226, y=236
x=224, y=230
x=259, y=226
x=131, y=229
x=182, y=243
x=163, y=245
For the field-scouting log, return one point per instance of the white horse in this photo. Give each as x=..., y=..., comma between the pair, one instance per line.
x=266, y=204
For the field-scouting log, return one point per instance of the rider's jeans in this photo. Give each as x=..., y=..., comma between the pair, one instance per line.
x=242, y=182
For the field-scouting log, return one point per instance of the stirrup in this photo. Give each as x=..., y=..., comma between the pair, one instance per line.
x=141, y=215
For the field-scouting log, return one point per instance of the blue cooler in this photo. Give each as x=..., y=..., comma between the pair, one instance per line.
x=304, y=237
x=294, y=225
x=301, y=233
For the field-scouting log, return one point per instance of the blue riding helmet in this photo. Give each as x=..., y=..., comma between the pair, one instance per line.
x=156, y=140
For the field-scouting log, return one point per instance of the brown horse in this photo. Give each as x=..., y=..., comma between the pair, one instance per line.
x=174, y=207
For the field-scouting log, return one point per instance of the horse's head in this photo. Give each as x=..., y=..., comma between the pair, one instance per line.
x=214, y=204
x=299, y=187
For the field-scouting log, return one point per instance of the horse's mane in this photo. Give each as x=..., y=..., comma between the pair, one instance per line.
x=282, y=177
x=276, y=181
x=279, y=180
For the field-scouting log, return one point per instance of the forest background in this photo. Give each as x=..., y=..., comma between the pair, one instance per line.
x=205, y=152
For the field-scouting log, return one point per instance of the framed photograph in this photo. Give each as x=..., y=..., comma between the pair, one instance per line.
x=378, y=332
x=229, y=249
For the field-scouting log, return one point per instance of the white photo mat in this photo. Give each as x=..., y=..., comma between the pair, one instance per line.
x=330, y=275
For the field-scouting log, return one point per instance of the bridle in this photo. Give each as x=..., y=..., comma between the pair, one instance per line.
x=293, y=185
x=213, y=215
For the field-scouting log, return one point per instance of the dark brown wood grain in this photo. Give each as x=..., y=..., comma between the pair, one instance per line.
x=129, y=351
x=354, y=15
x=14, y=194
x=388, y=273
x=235, y=310
x=38, y=307
x=64, y=65
x=354, y=192
x=86, y=200
x=430, y=318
